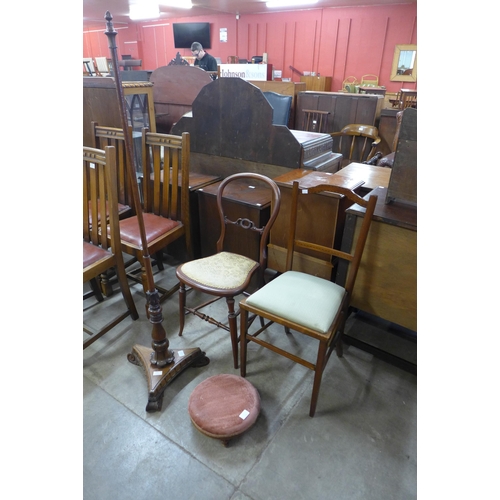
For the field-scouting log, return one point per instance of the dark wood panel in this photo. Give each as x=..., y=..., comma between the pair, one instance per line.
x=175, y=88
x=344, y=109
x=403, y=183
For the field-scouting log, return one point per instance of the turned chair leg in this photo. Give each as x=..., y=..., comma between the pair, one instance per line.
x=233, y=329
x=182, y=305
x=243, y=342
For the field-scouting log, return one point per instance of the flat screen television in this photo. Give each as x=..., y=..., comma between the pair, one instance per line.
x=187, y=33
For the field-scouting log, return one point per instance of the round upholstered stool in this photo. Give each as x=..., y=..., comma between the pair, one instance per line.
x=224, y=406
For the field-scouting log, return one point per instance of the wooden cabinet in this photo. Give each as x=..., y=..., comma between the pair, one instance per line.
x=100, y=104
x=177, y=249
x=320, y=83
x=386, y=285
x=343, y=109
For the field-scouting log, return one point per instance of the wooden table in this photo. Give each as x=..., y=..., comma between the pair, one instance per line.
x=386, y=284
x=371, y=175
x=320, y=221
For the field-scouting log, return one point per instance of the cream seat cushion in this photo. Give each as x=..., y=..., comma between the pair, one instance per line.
x=302, y=298
x=224, y=270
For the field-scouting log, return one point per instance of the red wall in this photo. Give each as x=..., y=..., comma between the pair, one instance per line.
x=337, y=42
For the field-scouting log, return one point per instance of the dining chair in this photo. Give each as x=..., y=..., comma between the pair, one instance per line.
x=165, y=160
x=111, y=136
x=357, y=142
x=351, y=85
x=228, y=274
x=101, y=253
x=303, y=303
x=369, y=80
x=281, y=105
x=315, y=120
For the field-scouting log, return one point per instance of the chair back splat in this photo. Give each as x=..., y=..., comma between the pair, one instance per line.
x=101, y=252
x=227, y=274
x=304, y=303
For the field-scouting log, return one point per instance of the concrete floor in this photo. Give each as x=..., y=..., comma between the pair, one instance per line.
x=361, y=444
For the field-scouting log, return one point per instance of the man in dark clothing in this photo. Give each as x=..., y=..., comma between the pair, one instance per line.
x=203, y=59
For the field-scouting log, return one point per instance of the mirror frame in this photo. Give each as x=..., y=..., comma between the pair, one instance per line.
x=394, y=72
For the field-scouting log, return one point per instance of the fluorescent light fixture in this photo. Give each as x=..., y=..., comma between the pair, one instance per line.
x=179, y=4
x=144, y=10
x=276, y=4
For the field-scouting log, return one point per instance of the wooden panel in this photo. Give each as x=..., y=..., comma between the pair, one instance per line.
x=175, y=89
x=344, y=109
x=99, y=105
x=387, y=126
x=319, y=83
x=386, y=285
x=320, y=220
x=403, y=184
x=178, y=248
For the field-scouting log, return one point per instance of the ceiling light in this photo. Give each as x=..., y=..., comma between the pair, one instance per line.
x=275, y=4
x=144, y=10
x=180, y=4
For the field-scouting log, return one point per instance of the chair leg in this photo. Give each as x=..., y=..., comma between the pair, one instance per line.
x=318, y=374
x=243, y=341
x=182, y=305
x=339, y=347
x=105, y=283
x=127, y=295
x=95, y=287
x=159, y=260
x=233, y=329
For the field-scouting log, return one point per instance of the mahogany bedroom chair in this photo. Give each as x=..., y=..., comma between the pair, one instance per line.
x=227, y=274
x=101, y=253
x=306, y=304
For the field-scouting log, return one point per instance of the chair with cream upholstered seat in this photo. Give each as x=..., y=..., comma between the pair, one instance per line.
x=303, y=303
x=227, y=274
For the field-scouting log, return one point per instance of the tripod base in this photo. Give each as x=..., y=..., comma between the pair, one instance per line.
x=158, y=378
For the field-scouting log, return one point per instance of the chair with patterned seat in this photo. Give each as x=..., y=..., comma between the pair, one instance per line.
x=227, y=274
